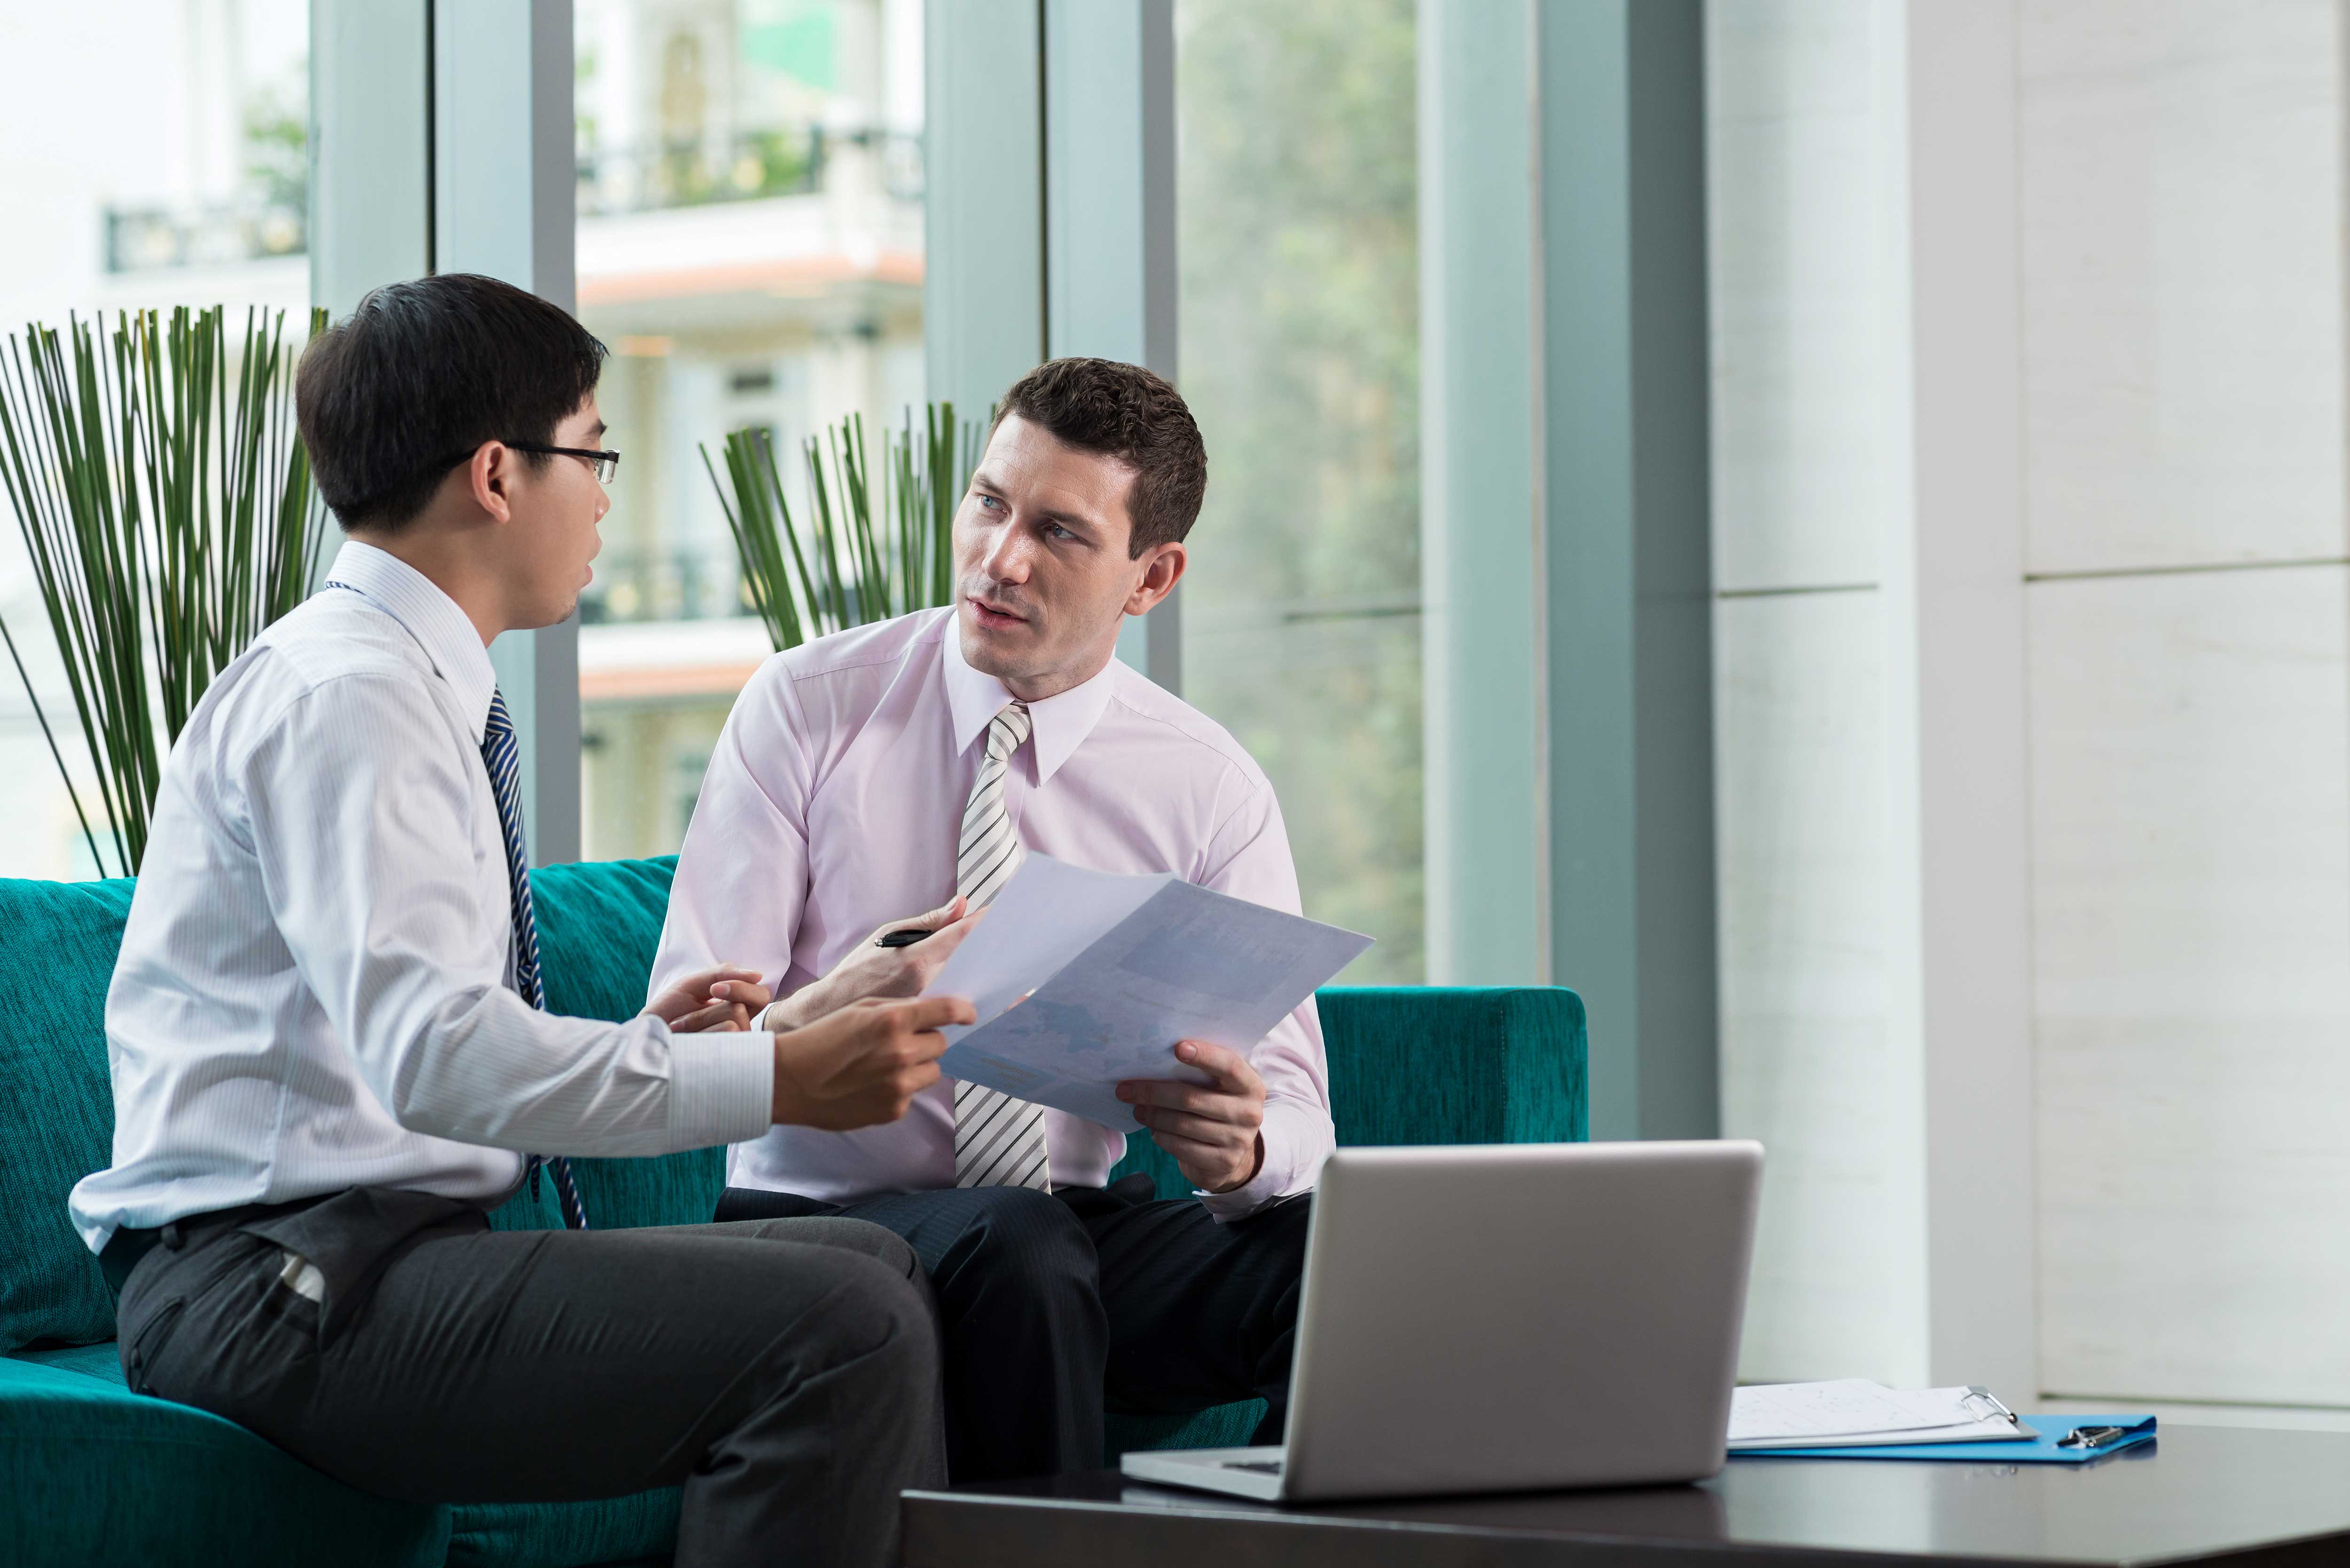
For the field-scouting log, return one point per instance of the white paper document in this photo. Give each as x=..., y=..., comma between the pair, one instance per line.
x=1854, y=1412
x=1116, y=970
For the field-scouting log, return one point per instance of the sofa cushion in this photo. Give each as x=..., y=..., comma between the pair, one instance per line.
x=598, y=925
x=124, y=1478
x=512, y=1536
x=1483, y=1063
x=55, y=960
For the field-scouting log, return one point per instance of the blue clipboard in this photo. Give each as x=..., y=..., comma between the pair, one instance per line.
x=2039, y=1450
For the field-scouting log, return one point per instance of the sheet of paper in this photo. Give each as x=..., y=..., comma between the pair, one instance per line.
x=1187, y=964
x=1850, y=1407
x=1046, y=915
x=1998, y=1430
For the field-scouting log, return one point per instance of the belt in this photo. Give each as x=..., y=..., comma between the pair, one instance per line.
x=127, y=1246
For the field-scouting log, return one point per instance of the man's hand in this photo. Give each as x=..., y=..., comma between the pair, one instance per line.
x=718, y=1000
x=864, y=1064
x=1212, y=1132
x=871, y=969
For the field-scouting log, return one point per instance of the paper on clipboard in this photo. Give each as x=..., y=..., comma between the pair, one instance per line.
x=1856, y=1412
x=1116, y=970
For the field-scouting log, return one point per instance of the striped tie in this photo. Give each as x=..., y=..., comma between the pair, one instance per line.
x=504, y=759
x=999, y=1141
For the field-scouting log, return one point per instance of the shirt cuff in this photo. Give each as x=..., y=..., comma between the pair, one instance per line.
x=1278, y=1176
x=722, y=1088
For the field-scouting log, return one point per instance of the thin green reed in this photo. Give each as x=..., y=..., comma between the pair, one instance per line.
x=874, y=540
x=166, y=503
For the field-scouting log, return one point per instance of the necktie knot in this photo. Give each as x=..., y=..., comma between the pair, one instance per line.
x=1009, y=731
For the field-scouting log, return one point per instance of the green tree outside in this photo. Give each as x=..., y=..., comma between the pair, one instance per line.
x=1300, y=355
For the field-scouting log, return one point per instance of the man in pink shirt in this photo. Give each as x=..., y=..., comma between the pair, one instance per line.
x=910, y=765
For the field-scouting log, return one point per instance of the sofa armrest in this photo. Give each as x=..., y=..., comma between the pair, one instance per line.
x=1440, y=1064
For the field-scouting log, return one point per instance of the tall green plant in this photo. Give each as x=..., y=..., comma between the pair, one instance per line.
x=166, y=502
x=867, y=551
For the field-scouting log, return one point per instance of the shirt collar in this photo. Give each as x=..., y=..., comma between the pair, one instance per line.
x=1062, y=721
x=445, y=633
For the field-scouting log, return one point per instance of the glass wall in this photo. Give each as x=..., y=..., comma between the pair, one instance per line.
x=152, y=154
x=750, y=248
x=1299, y=355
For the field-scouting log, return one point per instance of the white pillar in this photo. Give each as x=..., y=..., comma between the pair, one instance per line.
x=503, y=179
x=1869, y=607
x=1955, y=574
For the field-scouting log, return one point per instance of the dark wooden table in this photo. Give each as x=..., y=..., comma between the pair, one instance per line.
x=2252, y=1498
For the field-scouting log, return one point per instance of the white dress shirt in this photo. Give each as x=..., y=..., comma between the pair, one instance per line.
x=832, y=805
x=315, y=990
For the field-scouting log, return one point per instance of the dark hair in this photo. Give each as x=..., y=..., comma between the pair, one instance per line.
x=1123, y=412
x=425, y=371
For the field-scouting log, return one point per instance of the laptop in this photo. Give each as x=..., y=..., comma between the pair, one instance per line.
x=1507, y=1317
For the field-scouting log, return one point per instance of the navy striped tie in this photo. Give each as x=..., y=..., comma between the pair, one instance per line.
x=503, y=757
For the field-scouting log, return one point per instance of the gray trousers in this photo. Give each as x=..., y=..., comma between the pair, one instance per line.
x=785, y=1372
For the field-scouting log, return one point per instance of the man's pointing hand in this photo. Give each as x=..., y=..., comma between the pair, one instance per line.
x=863, y=1065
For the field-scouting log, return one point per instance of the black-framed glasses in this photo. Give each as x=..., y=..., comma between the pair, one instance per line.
x=606, y=464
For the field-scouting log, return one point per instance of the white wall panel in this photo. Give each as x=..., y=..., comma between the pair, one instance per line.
x=1802, y=147
x=1807, y=1062
x=2182, y=218
x=2192, y=891
x=2164, y=325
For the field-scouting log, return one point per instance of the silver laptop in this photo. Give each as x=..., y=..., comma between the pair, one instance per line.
x=1507, y=1317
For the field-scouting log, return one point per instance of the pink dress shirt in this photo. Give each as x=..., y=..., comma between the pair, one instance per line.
x=833, y=803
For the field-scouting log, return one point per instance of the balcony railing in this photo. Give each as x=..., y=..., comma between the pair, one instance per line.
x=143, y=239
x=787, y=161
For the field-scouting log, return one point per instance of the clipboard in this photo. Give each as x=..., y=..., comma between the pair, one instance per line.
x=2043, y=1450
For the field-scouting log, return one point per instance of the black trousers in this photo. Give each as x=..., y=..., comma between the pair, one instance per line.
x=785, y=1372
x=1053, y=1304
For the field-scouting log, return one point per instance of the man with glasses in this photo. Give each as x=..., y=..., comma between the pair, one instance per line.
x=331, y=1056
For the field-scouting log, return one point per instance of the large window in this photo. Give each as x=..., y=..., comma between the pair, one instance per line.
x=1300, y=358
x=151, y=154
x=750, y=248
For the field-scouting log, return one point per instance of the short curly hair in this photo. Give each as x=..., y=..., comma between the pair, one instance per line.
x=1123, y=412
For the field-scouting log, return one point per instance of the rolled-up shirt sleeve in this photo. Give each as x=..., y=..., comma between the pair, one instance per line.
x=1248, y=858
x=363, y=842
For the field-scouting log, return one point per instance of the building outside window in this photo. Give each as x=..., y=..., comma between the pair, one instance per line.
x=750, y=247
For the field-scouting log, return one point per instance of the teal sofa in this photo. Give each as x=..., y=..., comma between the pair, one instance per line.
x=90, y=1473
